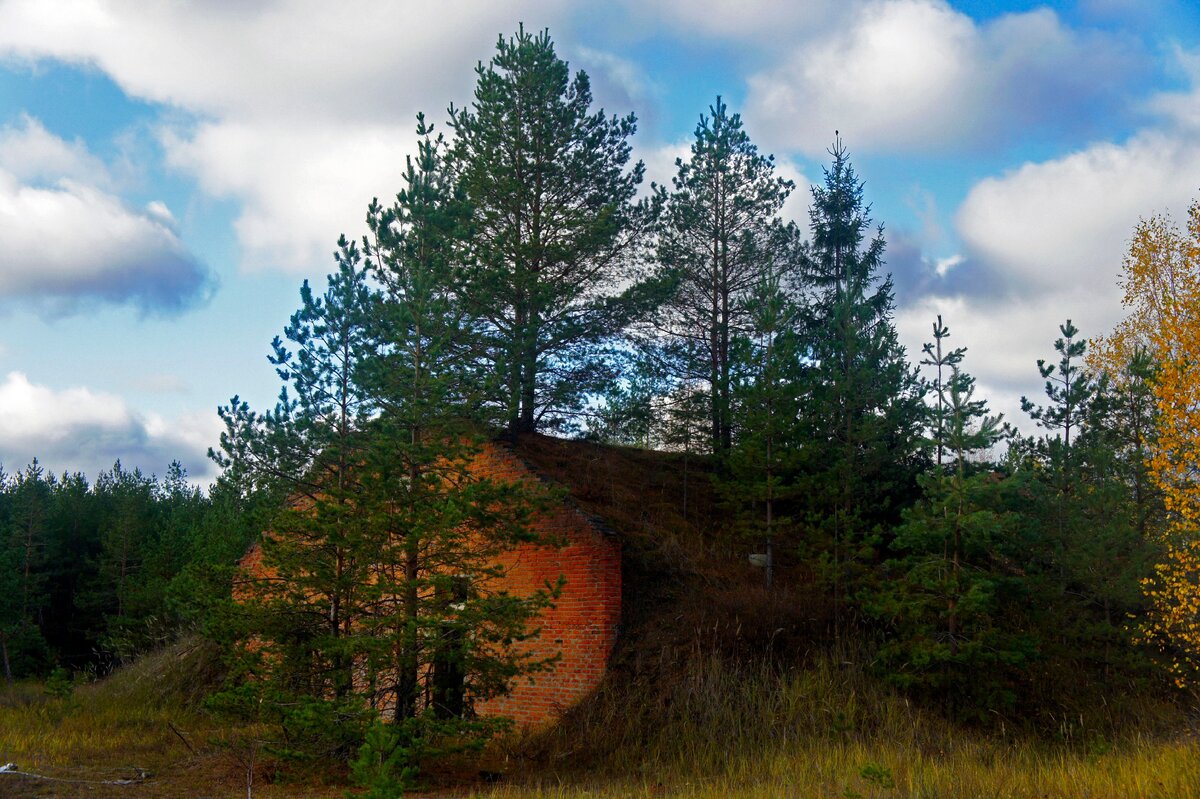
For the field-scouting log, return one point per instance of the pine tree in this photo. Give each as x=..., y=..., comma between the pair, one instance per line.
x=22, y=552
x=434, y=612
x=719, y=237
x=128, y=528
x=941, y=596
x=1070, y=388
x=554, y=228
x=766, y=390
x=1090, y=502
x=311, y=452
x=377, y=592
x=941, y=360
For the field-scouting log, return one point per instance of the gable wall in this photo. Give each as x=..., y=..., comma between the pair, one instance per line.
x=584, y=623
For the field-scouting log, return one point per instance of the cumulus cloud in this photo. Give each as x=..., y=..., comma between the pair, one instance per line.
x=1044, y=243
x=1063, y=224
x=299, y=189
x=78, y=429
x=1004, y=340
x=294, y=59
x=917, y=75
x=69, y=241
x=301, y=110
x=73, y=244
x=32, y=154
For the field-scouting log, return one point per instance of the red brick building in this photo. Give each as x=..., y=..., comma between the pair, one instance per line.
x=582, y=625
x=584, y=621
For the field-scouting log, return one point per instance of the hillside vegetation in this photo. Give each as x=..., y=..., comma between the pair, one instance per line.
x=719, y=687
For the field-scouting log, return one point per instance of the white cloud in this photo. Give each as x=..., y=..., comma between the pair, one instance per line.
x=80, y=429
x=68, y=240
x=943, y=265
x=1044, y=243
x=295, y=59
x=917, y=75
x=72, y=244
x=299, y=189
x=32, y=154
x=304, y=109
x=1064, y=224
x=617, y=82
x=1179, y=109
x=1004, y=340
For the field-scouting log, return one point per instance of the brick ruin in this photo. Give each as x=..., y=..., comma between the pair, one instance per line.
x=583, y=623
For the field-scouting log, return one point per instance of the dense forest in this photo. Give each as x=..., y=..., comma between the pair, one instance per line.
x=524, y=280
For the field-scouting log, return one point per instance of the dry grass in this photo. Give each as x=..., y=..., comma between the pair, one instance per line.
x=883, y=770
x=720, y=728
x=144, y=719
x=723, y=689
x=826, y=730
x=128, y=715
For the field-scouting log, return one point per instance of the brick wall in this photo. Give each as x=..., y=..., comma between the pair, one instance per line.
x=584, y=621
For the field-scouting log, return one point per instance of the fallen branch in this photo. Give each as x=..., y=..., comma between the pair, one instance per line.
x=11, y=769
x=180, y=736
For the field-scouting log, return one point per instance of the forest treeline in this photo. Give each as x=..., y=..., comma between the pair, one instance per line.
x=524, y=280
x=94, y=573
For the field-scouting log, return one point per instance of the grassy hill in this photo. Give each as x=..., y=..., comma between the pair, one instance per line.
x=718, y=687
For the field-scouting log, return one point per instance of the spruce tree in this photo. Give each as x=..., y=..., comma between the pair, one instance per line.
x=554, y=229
x=862, y=412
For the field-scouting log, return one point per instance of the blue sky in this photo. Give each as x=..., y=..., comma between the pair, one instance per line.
x=171, y=172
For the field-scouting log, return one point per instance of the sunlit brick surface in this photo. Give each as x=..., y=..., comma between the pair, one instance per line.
x=583, y=623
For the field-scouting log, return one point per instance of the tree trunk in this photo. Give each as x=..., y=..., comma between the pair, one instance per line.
x=8, y=678
x=529, y=356
x=408, y=684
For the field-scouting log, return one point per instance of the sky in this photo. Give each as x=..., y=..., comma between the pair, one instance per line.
x=170, y=172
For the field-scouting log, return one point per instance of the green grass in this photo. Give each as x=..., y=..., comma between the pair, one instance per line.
x=144, y=718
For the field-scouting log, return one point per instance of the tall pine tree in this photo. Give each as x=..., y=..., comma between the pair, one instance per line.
x=554, y=228
x=719, y=239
